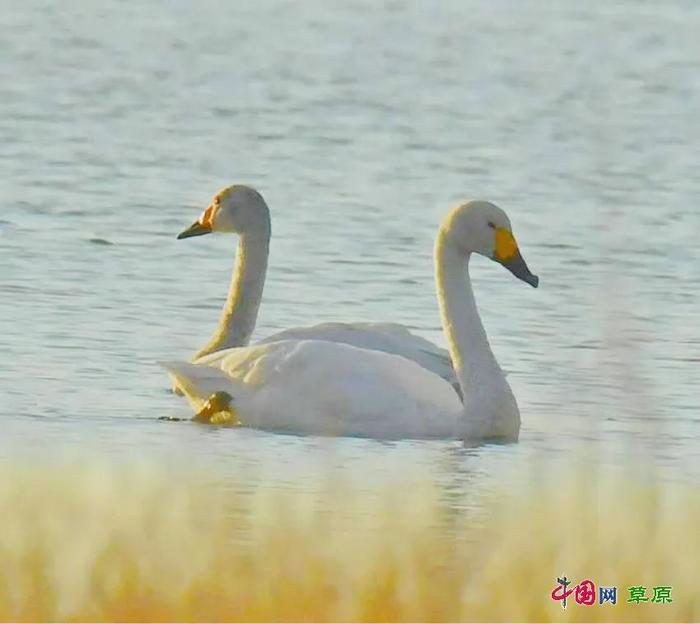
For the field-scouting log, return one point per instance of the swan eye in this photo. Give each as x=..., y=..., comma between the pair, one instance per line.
x=492, y=225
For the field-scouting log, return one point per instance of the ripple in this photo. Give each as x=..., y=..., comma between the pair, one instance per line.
x=360, y=146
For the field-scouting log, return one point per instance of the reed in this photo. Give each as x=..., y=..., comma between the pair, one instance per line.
x=111, y=543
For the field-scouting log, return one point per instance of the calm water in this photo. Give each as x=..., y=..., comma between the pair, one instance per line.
x=361, y=124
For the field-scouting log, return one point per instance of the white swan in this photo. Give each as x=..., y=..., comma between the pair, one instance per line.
x=312, y=386
x=242, y=210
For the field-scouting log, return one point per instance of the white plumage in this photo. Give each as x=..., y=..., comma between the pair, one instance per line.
x=242, y=210
x=330, y=388
x=326, y=388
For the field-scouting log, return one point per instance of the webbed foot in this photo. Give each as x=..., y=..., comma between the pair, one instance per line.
x=218, y=410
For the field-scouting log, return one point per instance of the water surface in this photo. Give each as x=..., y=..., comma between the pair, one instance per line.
x=361, y=124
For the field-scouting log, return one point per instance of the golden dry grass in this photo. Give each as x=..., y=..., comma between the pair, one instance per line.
x=144, y=544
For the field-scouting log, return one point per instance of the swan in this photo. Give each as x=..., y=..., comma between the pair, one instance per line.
x=320, y=387
x=241, y=209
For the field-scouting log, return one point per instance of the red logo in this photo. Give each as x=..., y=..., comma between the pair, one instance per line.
x=585, y=592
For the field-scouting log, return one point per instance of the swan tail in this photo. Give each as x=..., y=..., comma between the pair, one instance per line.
x=198, y=383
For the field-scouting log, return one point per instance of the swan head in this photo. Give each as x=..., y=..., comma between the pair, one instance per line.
x=238, y=208
x=484, y=228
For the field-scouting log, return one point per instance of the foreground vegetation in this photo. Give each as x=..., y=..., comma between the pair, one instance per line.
x=144, y=544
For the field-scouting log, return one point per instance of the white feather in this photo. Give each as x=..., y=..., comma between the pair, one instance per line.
x=323, y=387
x=242, y=210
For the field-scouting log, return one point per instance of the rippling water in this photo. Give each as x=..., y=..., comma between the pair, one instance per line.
x=361, y=124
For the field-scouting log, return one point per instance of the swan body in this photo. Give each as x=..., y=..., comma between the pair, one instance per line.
x=386, y=337
x=241, y=209
x=321, y=387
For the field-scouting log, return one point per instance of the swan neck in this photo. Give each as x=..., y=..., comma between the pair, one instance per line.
x=240, y=311
x=468, y=344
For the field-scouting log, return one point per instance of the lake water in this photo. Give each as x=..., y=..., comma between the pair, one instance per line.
x=361, y=124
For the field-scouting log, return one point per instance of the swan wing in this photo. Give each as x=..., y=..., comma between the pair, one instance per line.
x=387, y=337
x=327, y=388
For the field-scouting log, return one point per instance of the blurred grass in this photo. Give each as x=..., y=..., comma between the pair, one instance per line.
x=101, y=543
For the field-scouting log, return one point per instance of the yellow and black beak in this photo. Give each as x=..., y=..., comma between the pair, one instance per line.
x=508, y=254
x=203, y=225
x=196, y=229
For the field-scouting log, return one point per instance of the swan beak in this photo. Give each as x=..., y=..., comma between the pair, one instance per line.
x=508, y=254
x=517, y=266
x=196, y=229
